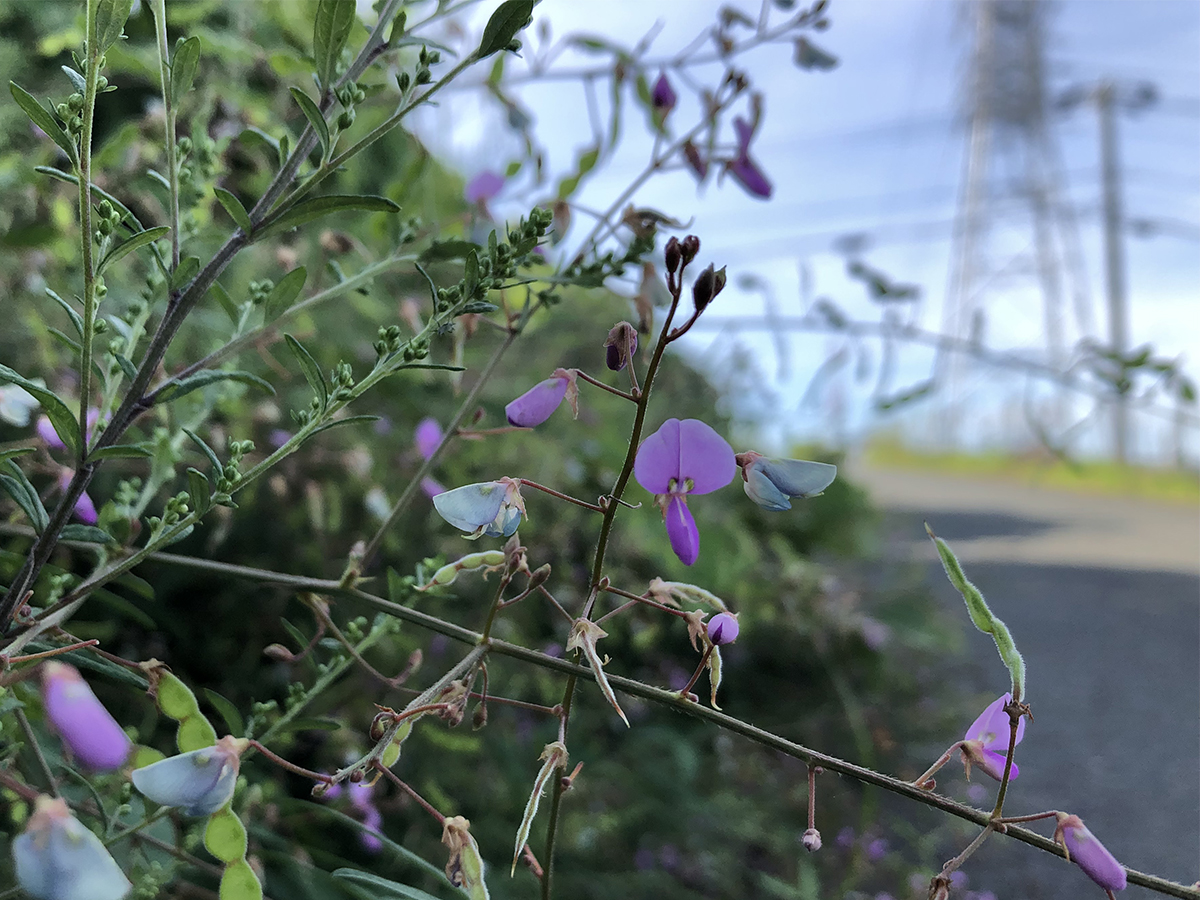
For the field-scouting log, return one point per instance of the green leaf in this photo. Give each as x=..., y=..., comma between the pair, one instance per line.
x=224, y=835
x=239, y=882
x=61, y=417
x=121, y=451
x=76, y=318
x=97, y=191
x=233, y=719
x=187, y=270
x=331, y=30
x=470, y=274
x=381, y=888
x=308, y=210
x=284, y=294
x=176, y=389
x=88, y=534
x=141, y=239
x=127, y=366
x=13, y=452
x=983, y=617
x=25, y=496
x=206, y=450
x=234, y=207
x=313, y=113
x=226, y=302
x=453, y=249
x=337, y=423
x=476, y=307
x=198, y=491
x=312, y=371
x=43, y=120
x=183, y=68
x=509, y=18
x=110, y=23
x=77, y=81
x=585, y=163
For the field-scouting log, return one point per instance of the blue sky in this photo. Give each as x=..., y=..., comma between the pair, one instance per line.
x=876, y=148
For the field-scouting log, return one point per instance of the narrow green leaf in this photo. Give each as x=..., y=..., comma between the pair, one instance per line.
x=141, y=239
x=226, y=302
x=312, y=371
x=443, y=367
x=77, y=81
x=233, y=719
x=349, y=420
x=470, y=274
x=76, y=318
x=509, y=18
x=199, y=491
x=188, y=269
x=97, y=191
x=308, y=210
x=177, y=389
x=396, y=590
x=476, y=307
x=183, y=68
x=127, y=367
x=284, y=294
x=25, y=495
x=43, y=120
x=433, y=291
x=110, y=23
x=234, y=207
x=381, y=888
x=206, y=450
x=295, y=633
x=60, y=415
x=14, y=452
x=87, y=534
x=452, y=249
x=73, y=345
x=331, y=30
x=121, y=451
x=313, y=113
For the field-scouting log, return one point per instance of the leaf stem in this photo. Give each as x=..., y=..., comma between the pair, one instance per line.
x=159, y=10
x=86, y=259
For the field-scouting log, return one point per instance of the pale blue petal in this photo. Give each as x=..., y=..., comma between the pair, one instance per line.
x=471, y=506
x=506, y=522
x=199, y=782
x=760, y=489
x=67, y=863
x=797, y=477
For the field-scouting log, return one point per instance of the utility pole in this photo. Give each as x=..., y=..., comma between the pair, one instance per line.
x=1114, y=254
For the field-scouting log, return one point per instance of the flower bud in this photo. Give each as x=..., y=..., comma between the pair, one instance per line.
x=672, y=254
x=621, y=344
x=811, y=840
x=690, y=247
x=86, y=727
x=1088, y=853
x=536, y=405
x=709, y=283
x=723, y=628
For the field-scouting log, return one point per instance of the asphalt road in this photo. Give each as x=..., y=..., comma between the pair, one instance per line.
x=1102, y=595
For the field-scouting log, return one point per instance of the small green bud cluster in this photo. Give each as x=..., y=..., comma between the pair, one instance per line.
x=107, y=220
x=260, y=291
x=59, y=585
x=426, y=59
x=342, y=377
x=349, y=95
x=197, y=165
x=356, y=629
x=176, y=509
x=127, y=492
x=231, y=474
x=389, y=341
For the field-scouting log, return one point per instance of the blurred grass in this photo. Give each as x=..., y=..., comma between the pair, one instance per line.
x=1090, y=477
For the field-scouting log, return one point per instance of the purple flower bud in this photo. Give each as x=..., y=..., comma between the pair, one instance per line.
x=743, y=169
x=770, y=482
x=697, y=163
x=92, y=735
x=427, y=436
x=537, y=404
x=663, y=97
x=483, y=187
x=723, y=629
x=620, y=346
x=708, y=284
x=986, y=742
x=199, y=782
x=811, y=840
x=690, y=247
x=672, y=254
x=1088, y=853
x=57, y=858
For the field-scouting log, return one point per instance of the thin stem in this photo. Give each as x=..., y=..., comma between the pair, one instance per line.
x=922, y=781
x=953, y=864
x=549, y=596
x=485, y=635
x=57, y=651
x=159, y=9
x=31, y=739
x=290, y=766
x=561, y=496
x=812, y=796
x=86, y=259
x=687, y=688
x=637, y=598
x=1008, y=820
x=600, y=384
x=425, y=804
x=1014, y=717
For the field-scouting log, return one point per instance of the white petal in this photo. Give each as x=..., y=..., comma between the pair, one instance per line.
x=471, y=506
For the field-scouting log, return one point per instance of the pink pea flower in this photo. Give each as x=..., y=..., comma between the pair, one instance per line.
x=85, y=509
x=361, y=799
x=770, y=482
x=45, y=429
x=986, y=742
x=723, y=629
x=744, y=170
x=92, y=735
x=199, y=782
x=679, y=459
x=483, y=187
x=537, y=404
x=427, y=437
x=57, y=858
x=1088, y=853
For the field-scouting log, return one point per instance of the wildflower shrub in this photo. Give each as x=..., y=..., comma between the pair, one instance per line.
x=329, y=691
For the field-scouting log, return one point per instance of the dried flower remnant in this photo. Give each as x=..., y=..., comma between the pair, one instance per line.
x=465, y=866
x=620, y=346
x=811, y=840
x=199, y=782
x=743, y=169
x=986, y=742
x=1088, y=853
x=770, y=482
x=86, y=727
x=538, y=403
x=57, y=858
x=680, y=459
x=489, y=508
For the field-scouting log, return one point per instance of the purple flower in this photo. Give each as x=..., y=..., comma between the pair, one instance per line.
x=537, y=404
x=877, y=849
x=85, y=509
x=491, y=508
x=743, y=169
x=1088, y=853
x=92, y=735
x=45, y=429
x=662, y=98
x=361, y=799
x=679, y=459
x=723, y=629
x=483, y=187
x=770, y=482
x=427, y=436
x=986, y=742
x=57, y=858
x=200, y=782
